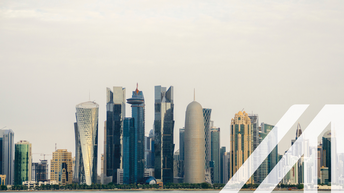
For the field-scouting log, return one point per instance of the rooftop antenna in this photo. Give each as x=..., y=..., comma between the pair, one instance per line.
x=194, y=94
x=55, y=146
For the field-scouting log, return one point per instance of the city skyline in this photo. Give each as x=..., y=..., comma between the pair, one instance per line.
x=260, y=56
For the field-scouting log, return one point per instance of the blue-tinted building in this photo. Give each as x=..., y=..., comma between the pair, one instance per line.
x=136, y=138
x=163, y=134
x=7, y=155
x=128, y=155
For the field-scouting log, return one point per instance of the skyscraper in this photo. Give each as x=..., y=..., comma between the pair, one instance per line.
x=163, y=134
x=181, y=153
x=23, y=162
x=115, y=113
x=241, y=144
x=255, y=136
x=86, y=135
x=194, y=146
x=222, y=166
x=7, y=155
x=61, y=167
x=326, y=153
x=137, y=137
x=207, y=136
x=215, y=154
x=40, y=171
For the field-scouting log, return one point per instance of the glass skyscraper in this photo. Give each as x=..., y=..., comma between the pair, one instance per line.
x=215, y=154
x=86, y=135
x=115, y=113
x=207, y=136
x=7, y=155
x=163, y=134
x=22, y=162
x=137, y=138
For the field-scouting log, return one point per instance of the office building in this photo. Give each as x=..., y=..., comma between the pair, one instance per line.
x=255, y=135
x=22, y=162
x=181, y=154
x=115, y=113
x=163, y=134
x=326, y=157
x=207, y=136
x=226, y=167
x=61, y=167
x=241, y=144
x=7, y=155
x=215, y=154
x=136, y=128
x=194, y=144
x=149, y=150
x=86, y=142
x=222, y=153
x=40, y=171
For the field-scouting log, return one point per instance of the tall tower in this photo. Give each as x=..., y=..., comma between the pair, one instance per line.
x=86, y=131
x=326, y=153
x=215, y=154
x=137, y=137
x=241, y=143
x=22, y=162
x=115, y=113
x=62, y=167
x=7, y=155
x=163, y=134
x=194, y=148
x=207, y=137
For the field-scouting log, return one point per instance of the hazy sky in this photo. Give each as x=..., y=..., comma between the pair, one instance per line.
x=260, y=56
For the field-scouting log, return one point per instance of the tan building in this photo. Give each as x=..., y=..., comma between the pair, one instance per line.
x=62, y=167
x=241, y=147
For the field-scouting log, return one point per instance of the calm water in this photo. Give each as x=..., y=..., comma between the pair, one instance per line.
x=147, y=191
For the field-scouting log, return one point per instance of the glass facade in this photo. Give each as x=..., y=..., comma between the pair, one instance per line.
x=215, y=154
x=115, y=113
x=22, y=162
x=163, y=134
x=137, y=138
x=326, y=153
x=207, y=135
x=87, y=131
x=7, y=155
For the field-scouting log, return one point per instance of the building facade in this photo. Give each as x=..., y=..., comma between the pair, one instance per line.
x=7, y=155
x=241, y=144
x=61, y=168
x=163, y=134
x=326, y=156
x=194, y=144
x=215, y=154
x=40, y=171
x=222, y=167
x=22, y=162
x=115, y=113
x=207, y=137
x=86, y=142
x=137, y=137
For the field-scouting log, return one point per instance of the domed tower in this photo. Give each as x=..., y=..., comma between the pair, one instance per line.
x=194, y=144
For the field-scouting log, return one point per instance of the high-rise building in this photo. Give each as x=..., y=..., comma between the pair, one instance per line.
x=22, y=162
x=270, y=162
x=215, y=154
x=86, y=142
x=115, y=113
x=226, y=167
x=222, y=167
x=194, y=144
x=137, y=137
x=61, y=169
x=255, y=136
x=241, y=144
x=7, y=155
x=40, y=171
x=181, y=153
x=163, y=134
x=149, y=150
x=326, y=155
x=128, y=150
x=207, y=136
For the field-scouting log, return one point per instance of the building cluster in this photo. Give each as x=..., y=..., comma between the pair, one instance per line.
x=130, y=157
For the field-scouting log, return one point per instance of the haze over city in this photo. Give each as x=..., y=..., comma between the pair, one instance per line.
x=261, y=57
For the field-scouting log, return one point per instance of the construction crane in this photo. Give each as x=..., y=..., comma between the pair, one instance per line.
x=42, y=154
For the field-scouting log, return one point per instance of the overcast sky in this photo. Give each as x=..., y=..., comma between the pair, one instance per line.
x=260, y=56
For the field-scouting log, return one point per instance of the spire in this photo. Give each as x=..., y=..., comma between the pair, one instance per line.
x=137, y=88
